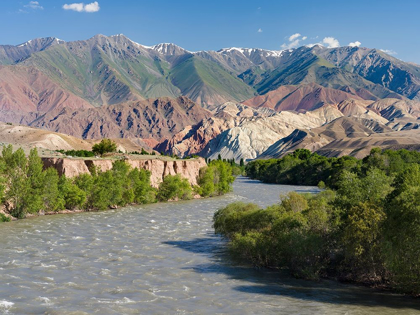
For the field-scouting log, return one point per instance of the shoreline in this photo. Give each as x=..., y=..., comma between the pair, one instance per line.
x=68, y=211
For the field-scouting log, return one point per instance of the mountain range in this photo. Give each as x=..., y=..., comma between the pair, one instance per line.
x=237, y=102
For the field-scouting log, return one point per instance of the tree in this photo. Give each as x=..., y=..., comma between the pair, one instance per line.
x=74, y=197
x=105, y=146
x=402, y=229
x=52, y=198
x=35, y=175
x=19, y=192
x=206, y=181
x=174, y=186
x=241, y=163
x=223, y=177
x=140, y=183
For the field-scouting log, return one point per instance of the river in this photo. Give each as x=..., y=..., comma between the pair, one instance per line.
x=161, y=259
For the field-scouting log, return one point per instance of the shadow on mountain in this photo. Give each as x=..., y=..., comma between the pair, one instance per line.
x=280, y=283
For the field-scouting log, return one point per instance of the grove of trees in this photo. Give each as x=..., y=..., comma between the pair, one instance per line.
x=26, y=188
x=365, y=227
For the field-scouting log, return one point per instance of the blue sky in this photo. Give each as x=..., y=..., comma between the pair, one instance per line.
x=210, y=25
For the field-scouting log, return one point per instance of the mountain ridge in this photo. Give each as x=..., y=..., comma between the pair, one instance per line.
x=108, y=86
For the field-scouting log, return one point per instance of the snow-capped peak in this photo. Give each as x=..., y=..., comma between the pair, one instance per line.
x=42, y=41
x=128, y=39
x=25, y=43
x=169, y=49
x=249, y=51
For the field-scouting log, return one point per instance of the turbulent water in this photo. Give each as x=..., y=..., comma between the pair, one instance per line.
x=160, y=259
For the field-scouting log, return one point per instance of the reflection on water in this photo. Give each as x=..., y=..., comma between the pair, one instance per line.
x=160, y=259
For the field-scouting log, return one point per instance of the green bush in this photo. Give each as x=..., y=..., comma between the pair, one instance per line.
x=74, y=197
x=78, y=153
x=291, y=234
x=215, y=179
x=53, y=199
x=105, y=146
x=4, y=218
x=367, y=230
x=174, y=186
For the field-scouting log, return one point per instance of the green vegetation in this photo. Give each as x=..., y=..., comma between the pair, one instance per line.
x=174, y=187
x=26, y=188
x=4, y=218
x=215, y=179
x=105, y=146
x=306, y=168
x=78, y=153
x=196, y=72
x=143, y=152
x=365, y=227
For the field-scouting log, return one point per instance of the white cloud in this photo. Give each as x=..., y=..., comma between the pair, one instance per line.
x=389, y=51
x=294, y=36
x=331, y=42
x=92, y=7
x=294, y=41
x=81, y=7
x=355, y=44
x=34, y=5
x=260, y=30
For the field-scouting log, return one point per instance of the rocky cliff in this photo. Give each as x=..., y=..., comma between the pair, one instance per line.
x=158, y=168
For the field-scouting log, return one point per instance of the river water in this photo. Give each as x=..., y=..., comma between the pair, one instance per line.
x=160, y=259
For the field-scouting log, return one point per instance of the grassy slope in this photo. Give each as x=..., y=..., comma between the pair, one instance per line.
x=313, y=69
x=195, y=74
x=100, y=78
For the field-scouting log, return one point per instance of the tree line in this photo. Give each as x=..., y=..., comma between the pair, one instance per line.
x=27, y=188
x=365, y=227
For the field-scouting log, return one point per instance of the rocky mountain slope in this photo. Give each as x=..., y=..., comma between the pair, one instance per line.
x=154, y=119
x=26, y=89
x=106, y=70
x=111, y=86
x=238, y=131
x=344, y=136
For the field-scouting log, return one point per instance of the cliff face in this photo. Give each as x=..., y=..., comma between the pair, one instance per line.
x=188, y=169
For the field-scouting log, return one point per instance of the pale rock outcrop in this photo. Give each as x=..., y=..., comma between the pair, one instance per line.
x=158, y=168
x=67, y=167
x=254, y=135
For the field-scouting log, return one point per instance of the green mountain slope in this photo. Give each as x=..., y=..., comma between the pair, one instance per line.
x=104, y=72
x=310, y=68
x=208, y=83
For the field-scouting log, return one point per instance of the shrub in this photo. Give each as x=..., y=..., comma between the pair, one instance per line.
x=174, y=186
x=105, y=146
x=4, y=218
x=53, y=200
x=74, y=197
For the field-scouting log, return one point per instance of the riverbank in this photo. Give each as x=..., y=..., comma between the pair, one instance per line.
x=158, y=166
x=32, y=185
x=162, y=258
x=319, y=236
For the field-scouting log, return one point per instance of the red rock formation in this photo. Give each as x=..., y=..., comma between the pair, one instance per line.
x=300, y=98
